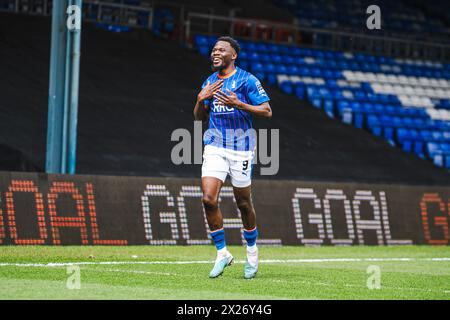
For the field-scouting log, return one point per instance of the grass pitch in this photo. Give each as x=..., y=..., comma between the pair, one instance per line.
x=167, y=272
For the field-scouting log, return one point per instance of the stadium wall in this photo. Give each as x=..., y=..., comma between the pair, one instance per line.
x=49, y=209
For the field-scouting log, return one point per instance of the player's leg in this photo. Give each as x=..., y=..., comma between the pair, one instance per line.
x=244, y=203
x=214, y=173
x=240, y=173
x=211, y=188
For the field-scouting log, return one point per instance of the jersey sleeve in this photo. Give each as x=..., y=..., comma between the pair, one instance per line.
x=255, y=92
x=207, y=101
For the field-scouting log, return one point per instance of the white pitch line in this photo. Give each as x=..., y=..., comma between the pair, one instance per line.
x=65, y=264
x=141, y=272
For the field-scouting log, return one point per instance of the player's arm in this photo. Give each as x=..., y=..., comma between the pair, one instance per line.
x=263, y=110
x=231, y=99
x=201, y=109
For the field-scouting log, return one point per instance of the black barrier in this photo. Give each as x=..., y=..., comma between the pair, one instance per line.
x=37, y=208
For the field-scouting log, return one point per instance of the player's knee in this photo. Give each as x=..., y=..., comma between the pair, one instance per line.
x=210, y=202
x=245, y=206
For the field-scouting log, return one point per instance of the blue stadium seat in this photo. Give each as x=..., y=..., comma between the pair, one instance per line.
x=360, y=95
x=292, y=70
x=281, y=69
x=300, y=91
x=386, y=120
x=276, y=58
x=418, y=149
x=287, y=87
x=333, y=65
x=284, y=49
x=445, y=147
x=403, y=134
x=257, y=67
x=328, y=74
x=312, y=92
x=296, y=51
x=337, y=74
x=408, y=122
x=433, y=148
x=328, y=107
x=288, y=60
x=201, y=41
x=299, y=61
x=367, y=107
x=212, y=41
x=426, y=135
x=204, y=50
x=316, y=72
x=269, y=68
x=419, y=123
x=398, y=122
x=341, y=105
x=325, y=93
x=273, y=48
x=437, y=136
x=254, y=56
x=251, y=47
x=304, y=71
x=261, y=47
x=271, y=78
x=316, y=102
x=243, y=55
x=331, y=83
x=361, y=98
x=243, y=64
x=388, y=133
x=446, y=136
x=264, y=57
x=376, y=130
x=447, y=161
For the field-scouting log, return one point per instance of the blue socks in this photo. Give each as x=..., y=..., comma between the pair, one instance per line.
x=218, y=237
x=250, y=236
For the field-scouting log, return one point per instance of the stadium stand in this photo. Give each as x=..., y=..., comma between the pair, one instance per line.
x=414, y=19
x=406, y=102
x=135, y=89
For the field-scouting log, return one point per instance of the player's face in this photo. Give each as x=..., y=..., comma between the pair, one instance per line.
x=222, y=55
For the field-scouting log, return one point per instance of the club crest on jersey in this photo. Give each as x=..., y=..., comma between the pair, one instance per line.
x=233, y=84
x=219, y=107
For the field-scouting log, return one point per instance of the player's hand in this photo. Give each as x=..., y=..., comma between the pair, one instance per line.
x=209, y=90
x=229, y=99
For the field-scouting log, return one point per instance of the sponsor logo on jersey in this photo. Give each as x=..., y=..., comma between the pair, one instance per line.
x=219, y=107
x=261, y=90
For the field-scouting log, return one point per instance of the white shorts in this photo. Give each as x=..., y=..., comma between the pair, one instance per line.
x=219, y=162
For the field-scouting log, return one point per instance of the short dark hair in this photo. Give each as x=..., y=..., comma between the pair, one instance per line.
x=232, y=42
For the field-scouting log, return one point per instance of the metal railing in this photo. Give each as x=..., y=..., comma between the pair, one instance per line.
x=194, y=19
x=269, y=31
x=116, y=13
x=119, y=13
x=98, y=11
x=26, y=6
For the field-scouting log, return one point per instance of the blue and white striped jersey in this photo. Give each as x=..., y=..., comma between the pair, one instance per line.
x=229, y=127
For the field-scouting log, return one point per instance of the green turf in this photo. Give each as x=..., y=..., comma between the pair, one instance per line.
x=416, y=279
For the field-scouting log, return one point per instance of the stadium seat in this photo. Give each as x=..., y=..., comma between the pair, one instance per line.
x=401, y=100
x=201, y=41
x=300, y=91
x=447, y=161
x=287, y=87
